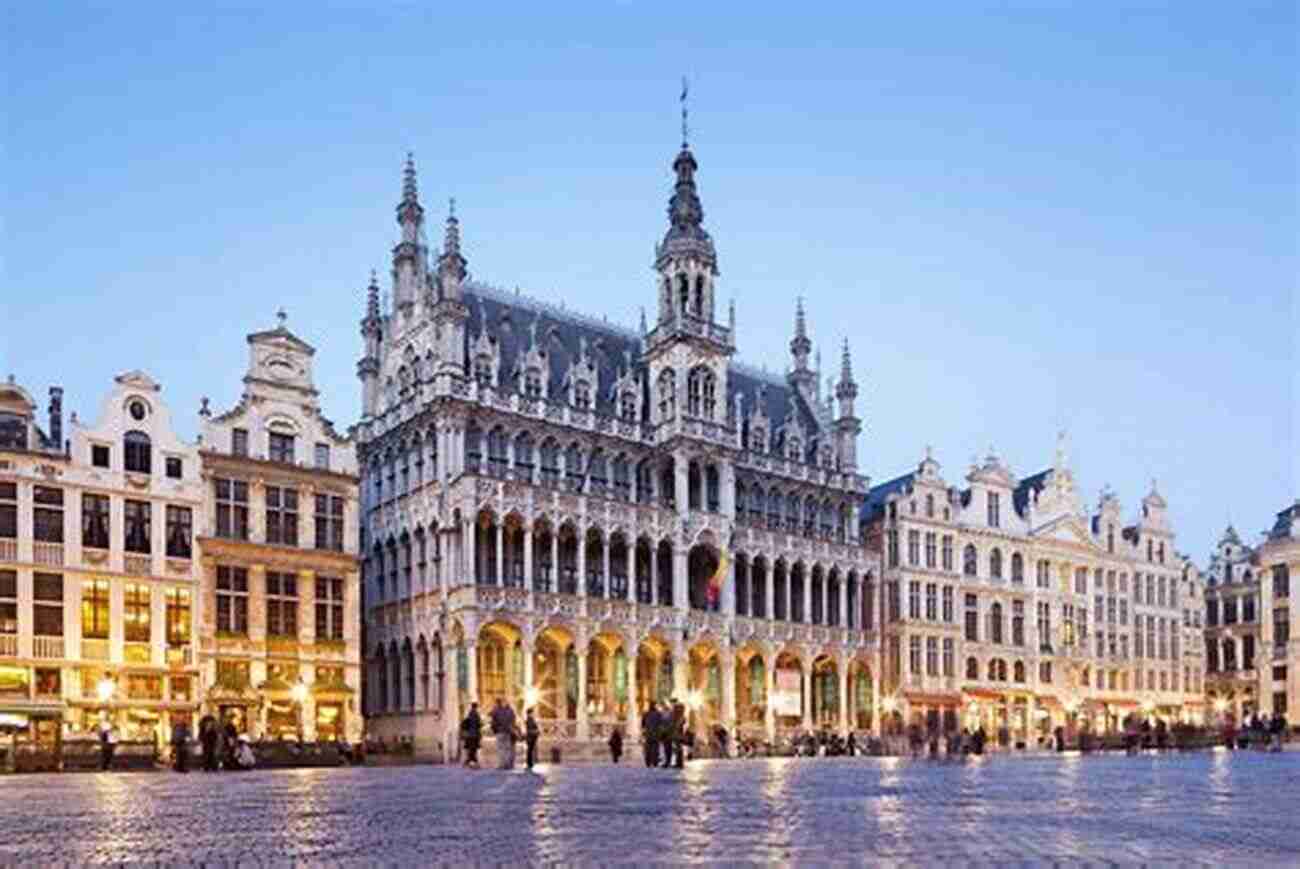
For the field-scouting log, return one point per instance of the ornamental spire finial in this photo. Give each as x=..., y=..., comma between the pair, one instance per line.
x=410, y=192
x=372, y=297
x=685, y=91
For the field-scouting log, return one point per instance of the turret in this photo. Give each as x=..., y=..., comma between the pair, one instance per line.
x=372, y=334
x=848, y=426
x=450, y=313
x=801, y=376
x=410, y=256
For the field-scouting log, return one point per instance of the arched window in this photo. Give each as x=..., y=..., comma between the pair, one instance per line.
x=1017, y=568
x=473, y=447
x=995, y=624
x=622, y=477
x=972, y=668
x=573, y=467
x=929, y=506
x=550, y=461
x=995, y=563
x=524, y=456
x=598, y=471
x=497, y=448
x=699, y=295
x=1018, y=671
x=137, y=452
x=667, y=393
x=969, y=563
x=627, y=405
x=684, y=293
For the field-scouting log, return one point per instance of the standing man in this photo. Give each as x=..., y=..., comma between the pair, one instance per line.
x=650, y=735
x=503, y=727
x=531, y=734
x=208, y=736
x=471, y=732
x=679, y=732
x=180, y=744
x=106, y=745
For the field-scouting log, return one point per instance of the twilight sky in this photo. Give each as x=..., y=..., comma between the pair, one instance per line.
x=1024, y=215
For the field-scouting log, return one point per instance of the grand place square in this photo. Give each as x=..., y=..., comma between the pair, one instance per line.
x=449, y=436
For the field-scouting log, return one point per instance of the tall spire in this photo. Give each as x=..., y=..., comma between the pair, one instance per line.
x=686, y=235
x=372, y=297
x=847, y=387
x=800, y=346
x=451, y=264
x=410, y=193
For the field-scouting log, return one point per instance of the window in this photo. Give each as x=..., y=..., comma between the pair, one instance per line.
x=137, y=452
x=8, y=601
x=931, y=656
x=174, y=468
x=582, y=395
x=972, y=668
x=1045, y=672
x=47, y=514
x=281, y=605
x=47, y=604
x=94, y=609
x=1044, y=626
x=179, y=532
x=947, y=604
x=891, y=537
x=99, y=455
x=329, y=522
x=329, y=609
x=281, y=447
x=931, y=552
x=914, y=547
x=995, y=564
x=282, y=515
x=947, y=552
x=94, y=521
x=178, y=616
x=136, y=610
x=232, y=508
x=991, y=499
x=947, y=656
x=1017, y=568
x=1281, y=581
x=969, y=563
x=1018, y=623
x=914, y=655
x=138, y=526
x=239, y=441
x=232, y=600
x=972, y=619
x=1281, y=626
x=995, y=624
x=9, y=510
x=931, y=602
x=929, y=506
x=532, y=383
x=914, y=600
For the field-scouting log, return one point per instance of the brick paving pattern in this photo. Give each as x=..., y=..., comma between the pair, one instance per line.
x=1207, y=808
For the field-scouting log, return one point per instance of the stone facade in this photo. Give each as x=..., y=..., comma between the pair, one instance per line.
x=1252, y=629
x=583, y=518
x=98, y=577
x=1005, y=605
x=280, y=599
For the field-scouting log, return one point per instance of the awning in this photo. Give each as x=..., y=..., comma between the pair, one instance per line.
x=932, y=699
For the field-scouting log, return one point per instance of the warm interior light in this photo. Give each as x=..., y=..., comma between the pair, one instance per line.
x=531, y=696
x=104, y=690
x=299, y=692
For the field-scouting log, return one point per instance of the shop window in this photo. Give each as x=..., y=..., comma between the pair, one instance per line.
x=49, y=682
x=142, y=686
x=180, y=689
x=15, y=682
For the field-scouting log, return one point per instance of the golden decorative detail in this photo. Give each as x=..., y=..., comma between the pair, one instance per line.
x=94, y=556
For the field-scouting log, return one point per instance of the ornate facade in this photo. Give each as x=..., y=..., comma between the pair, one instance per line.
x=1004, y=604
x=583, y=518
x=98, y=575
x=1252, y=630
x=280, y=599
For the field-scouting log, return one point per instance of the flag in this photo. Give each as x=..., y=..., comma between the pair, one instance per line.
x=714, y=591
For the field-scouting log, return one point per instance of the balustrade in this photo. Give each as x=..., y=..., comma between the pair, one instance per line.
x=47, y=647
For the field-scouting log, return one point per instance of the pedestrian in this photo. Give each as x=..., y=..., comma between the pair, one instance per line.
x=914, y=739
x=1162, y=735
x=666, y=734
x=180, y=744
x=678, y=735
x=208, y=737
x=1277, y=729
x=852, y=747
x=616, y=744
x=980, y=738
x=471, y=732
x=650, y=734
x=107, y=744
x=231, y=744
x=531, y=734
x=503, y=727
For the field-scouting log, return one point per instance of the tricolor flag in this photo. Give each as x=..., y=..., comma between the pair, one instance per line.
x=714, y=590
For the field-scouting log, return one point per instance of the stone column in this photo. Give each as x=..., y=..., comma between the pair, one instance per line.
x=528, y=557
x=470, y=544
x=631, y=579
x=874, y=682
x=681, y=580
x=471, y=667
x=843, y=620
x=728, y=665
x=527, y=644
x=582, y=563
x=807, y=596
x=654, y=574
x=727, y=484
x=769, y=714
x=584, y=724
x=769, y=594
x=842, y=694
x=681, y=670
x=681, y=484
x=499, y=579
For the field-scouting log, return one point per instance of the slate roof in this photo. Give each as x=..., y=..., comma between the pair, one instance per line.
x=873, y=505
x=1021, y=497
x=1283, y=526
x=512, y=317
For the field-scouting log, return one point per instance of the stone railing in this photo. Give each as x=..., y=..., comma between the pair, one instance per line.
x=47, y=647
x=48, y=554
x=9, y=645
x=8, y=550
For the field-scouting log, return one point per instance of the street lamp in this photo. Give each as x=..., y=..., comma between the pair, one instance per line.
x=531, y=696
x=104, y=689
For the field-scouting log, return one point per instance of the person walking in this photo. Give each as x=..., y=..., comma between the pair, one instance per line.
x=503, y=727
x=230, y=745
x=180, y=744
x=650, y=735
x=531, y=734
x=666, y=734
x=852, y=747
x=208, y=736
x=471, y=733
x=616, y=744
x=678, y=735
x=107, y=745
x=1277, y=729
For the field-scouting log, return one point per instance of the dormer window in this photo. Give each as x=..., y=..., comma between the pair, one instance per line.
x=281, y=448
x=627, y=406
x=533, y=383
x=993, y=509
x=757, y=440
x=582, y=395
x=483, y=371
x=794, y=449
x=137, y=452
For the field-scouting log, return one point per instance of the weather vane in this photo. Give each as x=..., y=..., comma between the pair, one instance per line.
x=683, y=101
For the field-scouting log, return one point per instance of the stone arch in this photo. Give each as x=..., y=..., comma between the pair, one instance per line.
x=554, y=694
x=664, y=568
x=654, y=671
x=702, y=563
x=567, y=576
x=825, y=699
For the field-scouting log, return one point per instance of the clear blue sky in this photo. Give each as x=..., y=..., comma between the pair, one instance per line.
x=1024, y=216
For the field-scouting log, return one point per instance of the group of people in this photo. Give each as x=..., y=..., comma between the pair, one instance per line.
x=505, y=728
x=665, y=735
x=223, y=746
x=1258, y=730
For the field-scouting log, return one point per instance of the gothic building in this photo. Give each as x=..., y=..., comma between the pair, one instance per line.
x=584, y=518
x=1006, y=605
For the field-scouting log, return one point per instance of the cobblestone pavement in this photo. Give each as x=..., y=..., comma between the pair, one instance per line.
x=1207, y=808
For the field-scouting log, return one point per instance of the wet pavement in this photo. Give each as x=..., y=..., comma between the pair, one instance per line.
x=1203, y=808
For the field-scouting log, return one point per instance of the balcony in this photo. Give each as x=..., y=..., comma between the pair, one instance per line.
x=9, y=645
x=180, y=656
x=8, y=550
x=94, y=650
x=48, y=554
x=137, y=653
x=138, y=565
x=47, y=647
